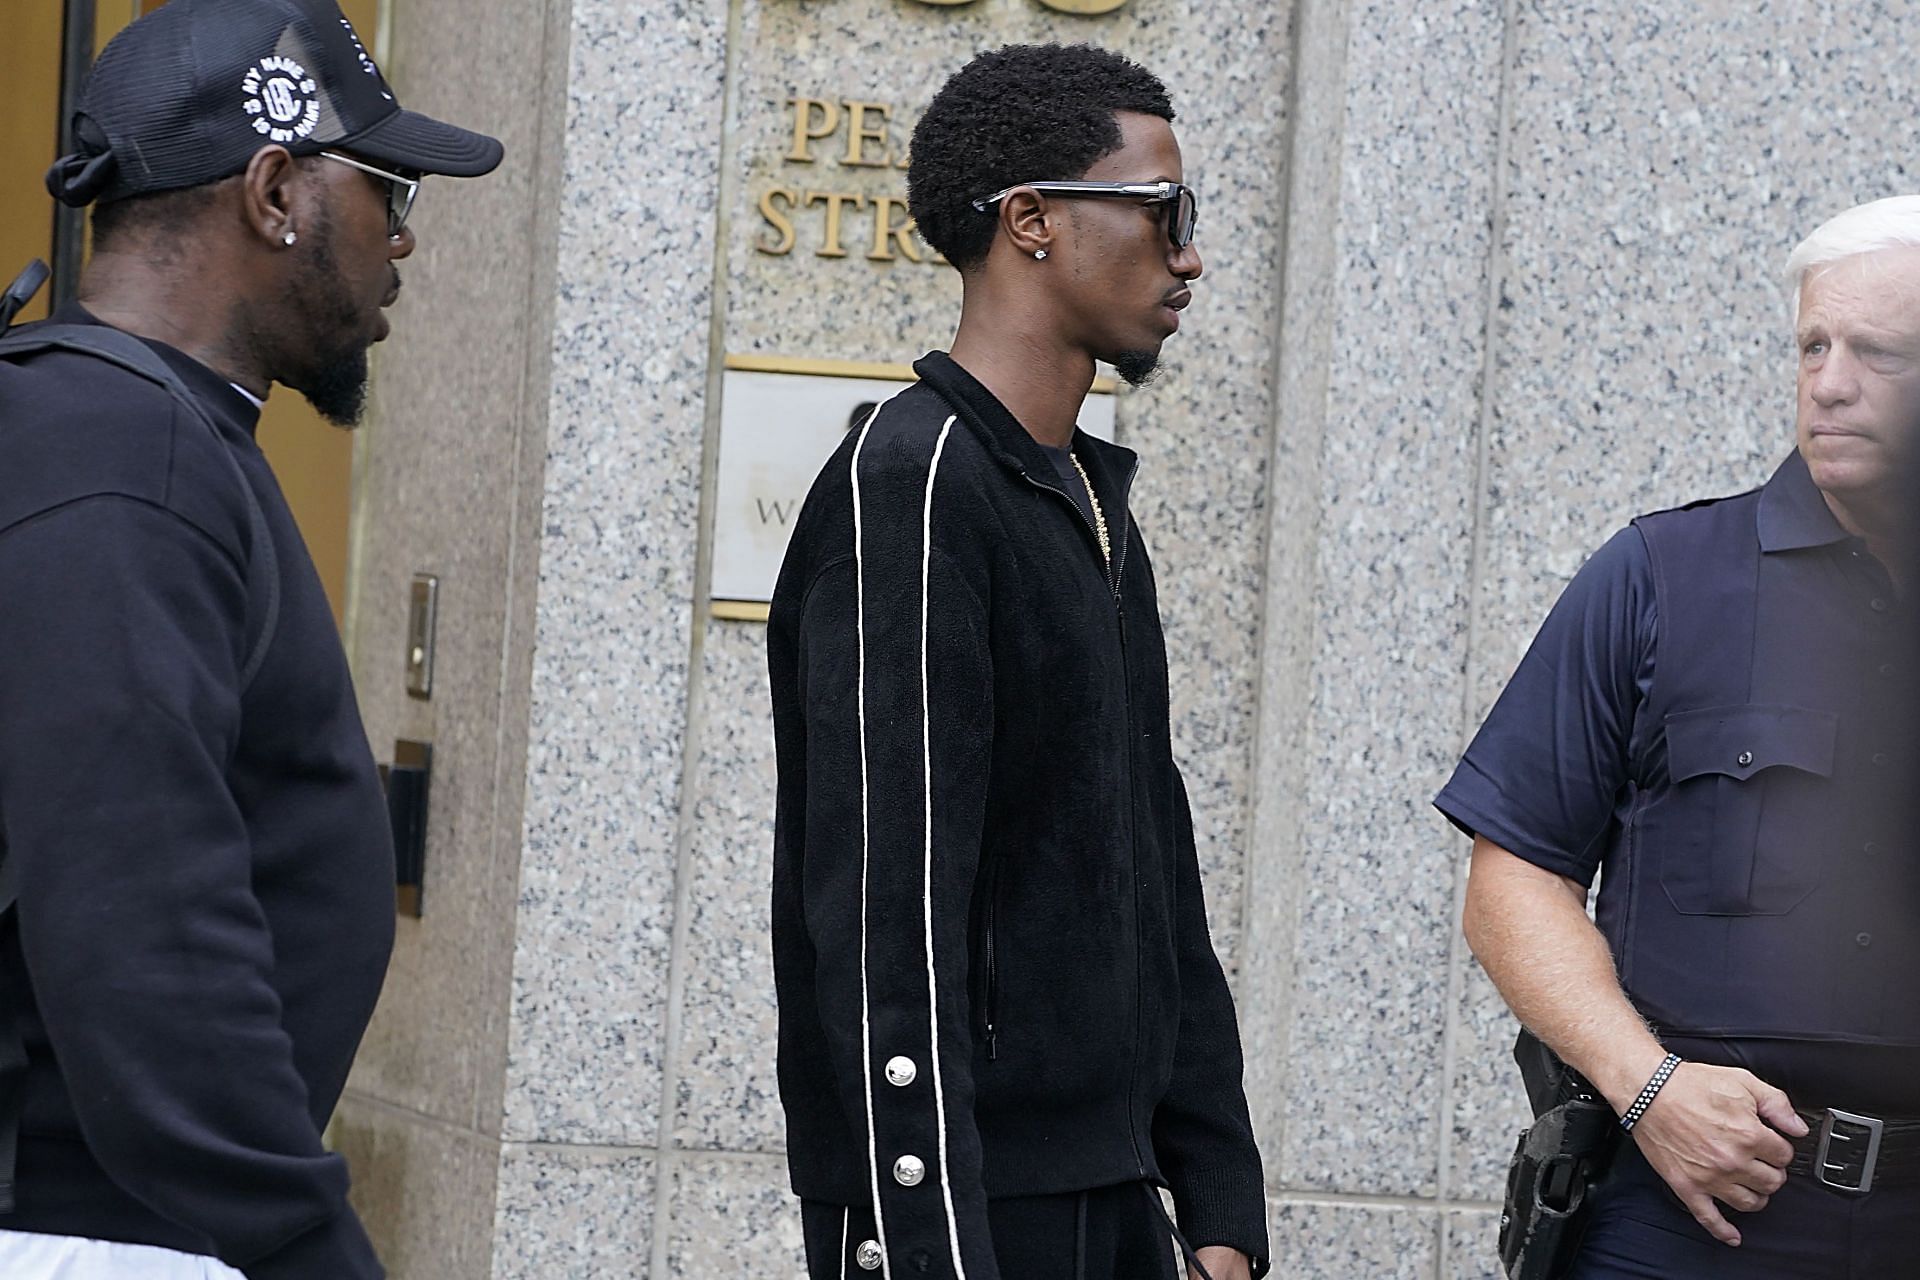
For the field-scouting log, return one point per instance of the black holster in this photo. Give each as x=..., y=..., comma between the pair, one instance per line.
x=1558, y=1162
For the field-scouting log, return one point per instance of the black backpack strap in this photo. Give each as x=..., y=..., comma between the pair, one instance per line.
x=21, y=291
x=135, y=356
x=263, y=577
x=13, y=1058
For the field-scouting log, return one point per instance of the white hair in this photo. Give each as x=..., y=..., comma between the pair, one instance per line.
x=1892, y=223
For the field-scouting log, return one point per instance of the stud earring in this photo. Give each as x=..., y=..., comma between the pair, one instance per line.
x=1040, y=255
x=289, y=239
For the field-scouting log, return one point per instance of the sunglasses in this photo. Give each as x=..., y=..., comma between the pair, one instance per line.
x=401, y=191
x=1183, y=207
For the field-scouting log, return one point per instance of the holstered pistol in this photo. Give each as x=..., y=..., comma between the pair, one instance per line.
x=1557, y=1163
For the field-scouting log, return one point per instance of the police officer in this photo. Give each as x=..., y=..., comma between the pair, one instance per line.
x=1714, y=716
x=190, y=815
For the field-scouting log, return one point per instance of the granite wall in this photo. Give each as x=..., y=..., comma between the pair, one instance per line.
x=448, y=481
x=1484, y=278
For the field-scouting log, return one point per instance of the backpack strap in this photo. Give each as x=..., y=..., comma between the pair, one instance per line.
x=136, y=357
x=21, y=292
x=263, y=582
x=13, y=1057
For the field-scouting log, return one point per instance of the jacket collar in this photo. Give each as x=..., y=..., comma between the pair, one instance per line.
x=1011, y=443
x=1793, y=516
x=1110, y=467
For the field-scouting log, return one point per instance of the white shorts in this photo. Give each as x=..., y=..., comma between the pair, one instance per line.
x=25, y=1255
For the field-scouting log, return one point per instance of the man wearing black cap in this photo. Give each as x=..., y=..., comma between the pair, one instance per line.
x=192, y=833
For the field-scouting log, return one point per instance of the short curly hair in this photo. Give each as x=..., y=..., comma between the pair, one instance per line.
x=1025, y=113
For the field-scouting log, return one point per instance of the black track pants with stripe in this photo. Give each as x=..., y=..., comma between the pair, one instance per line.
x=1107, y=1234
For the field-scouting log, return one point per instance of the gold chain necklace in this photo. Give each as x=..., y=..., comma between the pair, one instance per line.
x=1099, y=516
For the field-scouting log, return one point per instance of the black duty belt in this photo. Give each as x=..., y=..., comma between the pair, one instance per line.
x=1854, y=1153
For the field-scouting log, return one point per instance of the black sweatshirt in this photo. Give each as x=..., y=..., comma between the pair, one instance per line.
x=206, y=878
x=990, y=945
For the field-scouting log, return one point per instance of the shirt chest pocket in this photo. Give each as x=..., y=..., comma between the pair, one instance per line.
x=1742, y=831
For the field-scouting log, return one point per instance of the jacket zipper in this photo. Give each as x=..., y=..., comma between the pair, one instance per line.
x=1119, y=564
x=1133, y=844
x=993, y=973
x=1133, y=835
x=1133, y=853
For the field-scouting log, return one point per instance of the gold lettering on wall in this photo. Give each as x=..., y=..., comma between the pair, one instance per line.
x=860, y=133
x=832, y=248
x=1058, y=6
x=777, y=219
x=805, y=130
x=843, y=133
x=886, y=233
x=861, y=136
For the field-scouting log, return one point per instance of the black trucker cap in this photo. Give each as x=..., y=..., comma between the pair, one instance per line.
x=188, y=94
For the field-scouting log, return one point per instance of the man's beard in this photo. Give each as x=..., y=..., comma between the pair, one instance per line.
x=338, y=390
x=336, y=383
x=1136, y=367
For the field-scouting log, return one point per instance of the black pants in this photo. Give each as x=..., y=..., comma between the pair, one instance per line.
x=1641, y=1231
x=1112, y=1233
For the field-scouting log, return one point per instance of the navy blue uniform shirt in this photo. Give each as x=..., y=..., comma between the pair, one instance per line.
x=1576, y=747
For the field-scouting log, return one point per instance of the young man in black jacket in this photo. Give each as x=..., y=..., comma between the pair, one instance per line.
x=189, y=813
x=1002, y=1024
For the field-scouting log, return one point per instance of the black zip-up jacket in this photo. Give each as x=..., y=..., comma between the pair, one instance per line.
x=990, y=946
x=205, y=871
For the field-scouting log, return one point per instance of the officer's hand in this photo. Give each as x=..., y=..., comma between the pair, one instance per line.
x=1223, y=1263
x=1704, y=1134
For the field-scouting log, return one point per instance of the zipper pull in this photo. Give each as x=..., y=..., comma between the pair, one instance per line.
x=993, y=1044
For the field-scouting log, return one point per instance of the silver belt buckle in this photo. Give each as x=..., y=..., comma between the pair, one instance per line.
x=1856, y=1141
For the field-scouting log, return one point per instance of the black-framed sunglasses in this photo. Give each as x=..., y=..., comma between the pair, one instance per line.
x=1183, y=207
x=401, y=191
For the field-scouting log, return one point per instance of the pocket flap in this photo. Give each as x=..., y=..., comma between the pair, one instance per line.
x=1741, y=741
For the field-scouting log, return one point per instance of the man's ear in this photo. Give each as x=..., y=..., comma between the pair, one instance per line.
x=270, y=195
x=1028, y=222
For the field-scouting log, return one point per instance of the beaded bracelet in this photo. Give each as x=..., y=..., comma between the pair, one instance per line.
x=1645, y=1100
